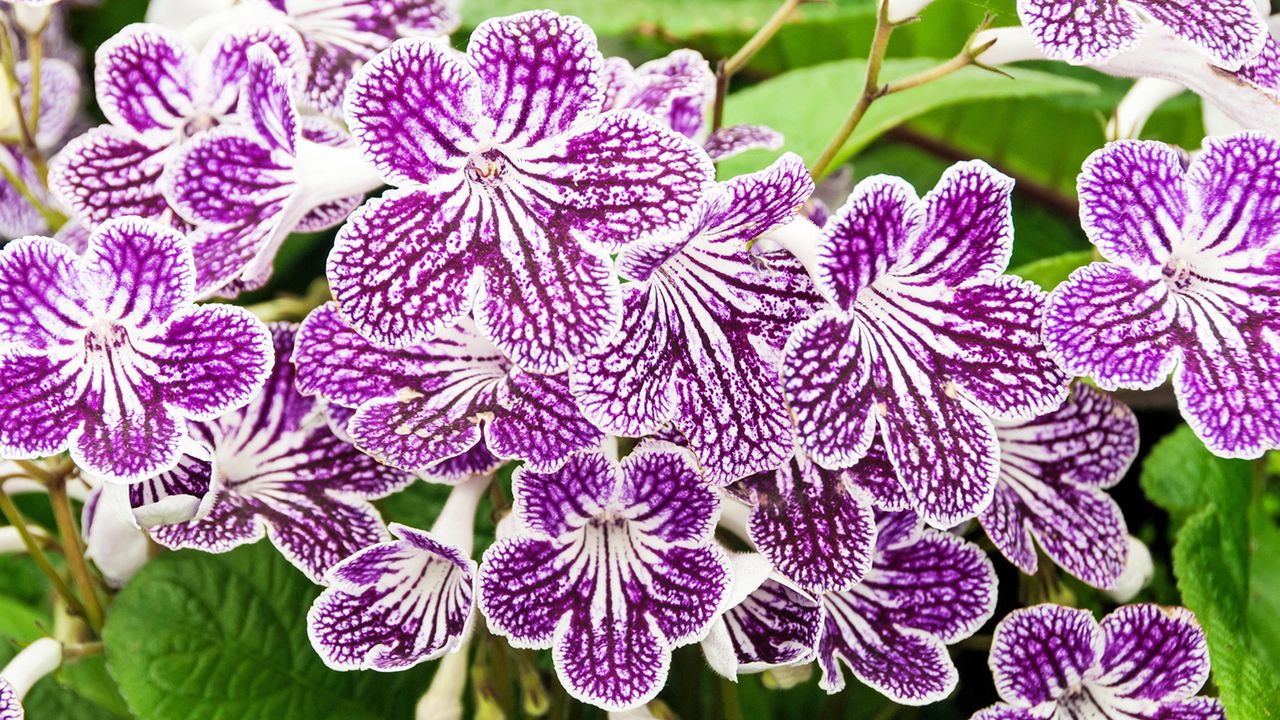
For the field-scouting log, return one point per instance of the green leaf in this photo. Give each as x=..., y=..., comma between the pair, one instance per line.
x=223, y=637
x=1225, y=559
x=809, y=105
x=1050, y=272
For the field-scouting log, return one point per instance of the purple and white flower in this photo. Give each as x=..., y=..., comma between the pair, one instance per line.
x=246, y=187
x=1190, y=286
x=926, y=589
x=924, y=342
x=427, y=406
x=611, y=565
x=59, y=100
x=1053, y=471
x=1143, y=661
x=157, y=92
x=393, y=605
x=276, y=470
x=678, y=90
x=701, y=316
x=1090, y=32
x=512, y=188
x=105, y=354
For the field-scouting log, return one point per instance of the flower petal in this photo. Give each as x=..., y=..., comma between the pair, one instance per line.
x=144, y=77
x=730, y=141
x=1038, y=654
x=393, y=605
x=868, y=236
x=775, y=625
x=224, y=64
x=1154, y=653
x=211, y=359
x=554, y=503
x=615, y=666
x=664, y=493
x=412, y=110
x=754, y=204
x=144, y=270
x=402, y=268
x=814, y=528
x=1231, y=32
x=127, y=444
x=1081, y=32
x=1236, y=192
x=41, y=294
x=104, y=174
x=1133, y=200
x=1107, y=323
x=38, y=398
x=538, y=421
x=967, y=235
x=522, y=590
x=1228, y=392
x=827, y=368
x=539, y=73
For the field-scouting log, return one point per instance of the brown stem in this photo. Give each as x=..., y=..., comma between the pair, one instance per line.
x=726, y=69
x=74, y=550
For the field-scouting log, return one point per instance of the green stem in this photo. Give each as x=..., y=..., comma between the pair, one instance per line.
x=74, y=551
x=15, y=518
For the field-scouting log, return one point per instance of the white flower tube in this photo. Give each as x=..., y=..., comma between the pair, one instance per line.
x=34, y=662
x=443, y=699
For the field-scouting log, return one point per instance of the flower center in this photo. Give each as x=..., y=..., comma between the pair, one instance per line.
x=198, y=124
x=487, y=168
x=104, y=337
x=1177, y=273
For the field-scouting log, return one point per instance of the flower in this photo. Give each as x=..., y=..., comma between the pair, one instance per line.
x=277, y=470
x=816, y=527
x=341, y=36
x=1090, y=32
x=613, y=566
x=926, y=589
x=699, y=317
x=246, y=187
x=105, y=354
x=59, y=100
x=10, y=704
x=1189, y=287
x=1053, y=470
x=678, y=90
x=156, y=93
x=924, y=341
x=512, y=188
x=393, y=605
x=425, y=405
x=769, y=623
x=1143, y=661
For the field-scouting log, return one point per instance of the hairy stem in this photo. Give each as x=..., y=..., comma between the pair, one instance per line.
x=727, y=68
x=15, y=519
x=74, y=550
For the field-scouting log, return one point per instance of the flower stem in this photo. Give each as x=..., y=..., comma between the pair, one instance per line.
x=74, y=550
x=728, y=68
x=873, y=90
x=35, y=55
x=15, y=519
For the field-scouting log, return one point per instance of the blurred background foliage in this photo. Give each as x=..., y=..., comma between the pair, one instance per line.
x=223, y=637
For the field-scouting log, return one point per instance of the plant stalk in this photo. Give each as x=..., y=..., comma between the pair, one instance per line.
x=728, y=68
x=74, y=550
x=15, y=519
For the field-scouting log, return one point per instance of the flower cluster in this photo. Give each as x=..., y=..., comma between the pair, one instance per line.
x=554, y=267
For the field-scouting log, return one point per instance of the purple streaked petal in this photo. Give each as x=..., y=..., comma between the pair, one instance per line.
x=18, y=217
x=225, y=64
x=37, y=403
x=270, y=100
x=1041, y=653
x=1235, y=186
x=826, y=378
x=227, y=176
x=211, y=359
x=754, y=204
x=556, y=503
x=1004, y=712
x=1231, y=32
x=1133, y=201
x=775, y=625
x=730, y=141
x=967, y=231
x=1107, y=323
x=1199, y=708
x=42, y=293
x=402, y=268
x=665, y=494
x=1153, y=653
x=143, y=271
x=1264, y=70
x=551, y=301
x=868, y=236
x=925, y=589
x=144, y=77
x=1228, y=394
x=874, y=475
x=415, y=434
x=451, y=471
x=523, y=590
x=538, y=421
x=104, y=174
x=539, y=72
x=132, y=443
x=676, y=89
x=815, y=529
x=1081, y=32
x=620, y=177
x=412, y=110
x=393, y=605
x=1052, y=469
x=178, y=495
x=617, y=665
x=59, y=97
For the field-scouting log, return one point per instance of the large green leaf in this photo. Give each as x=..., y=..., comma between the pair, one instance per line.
x=809, y=105
x=223, y=637
x=1224, y=558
